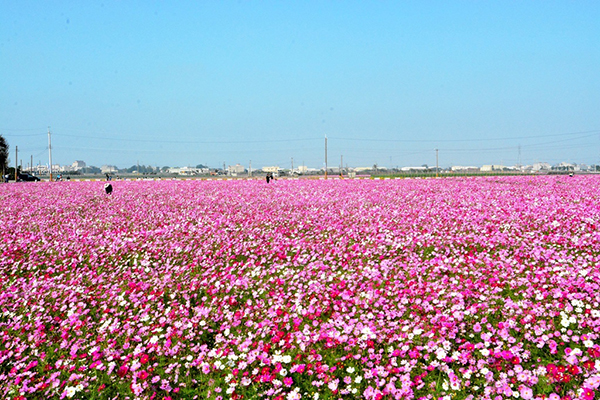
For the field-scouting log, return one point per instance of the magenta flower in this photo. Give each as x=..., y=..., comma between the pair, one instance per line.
x=222, y=287
x=525, y=392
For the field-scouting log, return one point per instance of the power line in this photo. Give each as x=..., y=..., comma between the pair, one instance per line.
x=156, y=150
x=312, y=145
x=187, y=141
x=465, y=140
x=147, y=140
x=22, y=129
x=531, y=145
x=20, y=135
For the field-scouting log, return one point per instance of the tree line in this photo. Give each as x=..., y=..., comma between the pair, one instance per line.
x=3, y=155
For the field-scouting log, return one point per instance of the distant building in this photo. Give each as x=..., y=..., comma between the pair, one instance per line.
x=235, y=169
x=109, y=169
x=40, y=169
x=65, y=168
x=78, y=165
x=489, y=168
x=564, y=166
x=413, y=169
x=271, y=169
x=362, y=169
x=540, y=166
x=459, y=168
x=188, y=171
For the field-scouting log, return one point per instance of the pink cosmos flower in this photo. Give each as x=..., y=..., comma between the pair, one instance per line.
x=333, y=385
x=525, y=392
x=180, y=273
x=587, y=394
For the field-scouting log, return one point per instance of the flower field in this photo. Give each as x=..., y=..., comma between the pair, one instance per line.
x=473, y=288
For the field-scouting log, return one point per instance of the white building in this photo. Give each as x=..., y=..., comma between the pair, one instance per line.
x=492, y=167
x=40, y=169
x=66, y=168
x=77, y=165
x=236, y=169
x=271, y=169
x=540, y=166
x=108, y=169
x=409, y=169
x=187, y=171
x=460, y=168
x=362, y=169
x=565, y=166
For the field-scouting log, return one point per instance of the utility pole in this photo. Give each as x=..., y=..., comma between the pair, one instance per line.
x=250, y=169
x=16, y=161
x=341, y=164
x=224, y=167
x=292, y=171
x=325, y=156
x=31, y=163
x=436, y=162
x=50, y=153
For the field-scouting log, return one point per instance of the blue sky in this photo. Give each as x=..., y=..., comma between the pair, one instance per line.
x=182, y=83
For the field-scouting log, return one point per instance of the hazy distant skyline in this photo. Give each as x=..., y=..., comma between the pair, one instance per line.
x=186, y=83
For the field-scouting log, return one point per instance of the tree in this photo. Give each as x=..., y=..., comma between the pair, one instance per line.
x=3, y=154
x=142, y=169
x=90, y=169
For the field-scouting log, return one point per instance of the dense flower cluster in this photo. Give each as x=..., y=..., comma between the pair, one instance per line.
x=476, y=288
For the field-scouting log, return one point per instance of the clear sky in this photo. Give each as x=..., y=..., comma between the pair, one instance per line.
x=187, y=82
